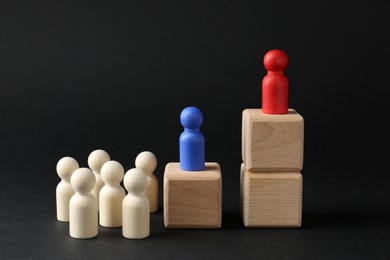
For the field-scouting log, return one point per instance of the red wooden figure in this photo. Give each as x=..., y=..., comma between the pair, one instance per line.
x=275, y=83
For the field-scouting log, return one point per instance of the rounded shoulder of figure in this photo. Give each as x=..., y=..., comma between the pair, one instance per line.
x=138, y=201
x=191, y=137
x=111, y=192
x=82, y=201
x=276, y=79
x=64, y=186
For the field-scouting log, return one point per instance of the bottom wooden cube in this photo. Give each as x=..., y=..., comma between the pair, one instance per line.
x=271, y=199
x=192, y=199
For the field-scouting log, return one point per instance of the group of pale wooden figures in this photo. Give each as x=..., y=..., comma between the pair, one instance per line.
x=88, y=197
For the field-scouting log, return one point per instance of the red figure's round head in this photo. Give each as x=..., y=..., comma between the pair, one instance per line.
x=275, y=60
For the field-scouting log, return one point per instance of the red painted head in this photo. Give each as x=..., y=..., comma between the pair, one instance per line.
x=275, y=60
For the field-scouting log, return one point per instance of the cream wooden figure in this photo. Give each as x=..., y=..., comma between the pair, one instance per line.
x=147, y=161
x=136, y=216
x=65, y=168
x=95, y=161
x=111, y=195
x=83, y=213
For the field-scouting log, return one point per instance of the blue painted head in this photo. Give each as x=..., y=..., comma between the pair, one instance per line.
x=191, y=117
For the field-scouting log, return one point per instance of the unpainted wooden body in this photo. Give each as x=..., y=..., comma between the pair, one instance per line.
x=147, y=162
x=95, y=162
x=98, y=186
x=192, y=199
x=271, y=199
x=111, y=195
x=64, y=191
x=136, y=216
x=272, y=143
x=135, y=207
x=110, y=214
x=83, y=222
x=83, y=212
x=152, y=192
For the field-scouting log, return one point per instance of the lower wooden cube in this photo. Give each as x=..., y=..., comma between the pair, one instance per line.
x=271, y=199
x=192, y=199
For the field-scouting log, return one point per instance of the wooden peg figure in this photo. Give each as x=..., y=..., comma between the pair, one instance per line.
x=83, y=213
x=147, y=161
x=64, y=192
x=275, y=83
x=95, y=162
x=136, y=216
x=111, y=195
x=191, y=141
x=192, y=187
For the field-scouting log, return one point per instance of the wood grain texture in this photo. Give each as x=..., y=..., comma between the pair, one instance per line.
x=192, y=199
x=271, y=199
x=272, y=142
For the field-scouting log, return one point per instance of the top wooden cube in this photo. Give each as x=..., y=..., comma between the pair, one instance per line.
x=272, y=142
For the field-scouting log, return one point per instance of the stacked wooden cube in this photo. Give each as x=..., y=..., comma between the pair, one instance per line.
x=271, y=179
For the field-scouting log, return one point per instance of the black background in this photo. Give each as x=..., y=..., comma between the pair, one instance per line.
x=78, y=76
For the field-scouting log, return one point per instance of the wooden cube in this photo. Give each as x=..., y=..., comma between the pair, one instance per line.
x=271, y=199
x=272, y=142
x=192, y=199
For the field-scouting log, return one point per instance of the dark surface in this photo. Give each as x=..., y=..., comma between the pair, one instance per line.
x=77, y=77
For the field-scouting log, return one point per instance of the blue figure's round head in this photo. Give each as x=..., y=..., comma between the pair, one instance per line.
x=191, y=117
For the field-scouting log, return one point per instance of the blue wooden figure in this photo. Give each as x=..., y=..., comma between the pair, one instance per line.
x=191, y=142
